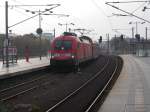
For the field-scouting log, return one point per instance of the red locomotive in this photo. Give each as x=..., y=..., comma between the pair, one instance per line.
x=68, y=49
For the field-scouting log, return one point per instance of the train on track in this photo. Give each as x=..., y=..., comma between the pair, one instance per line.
x=68, y=49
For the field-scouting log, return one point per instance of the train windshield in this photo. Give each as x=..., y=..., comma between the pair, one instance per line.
x=63, y=45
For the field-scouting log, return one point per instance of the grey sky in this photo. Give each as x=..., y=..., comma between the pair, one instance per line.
x=88, y=14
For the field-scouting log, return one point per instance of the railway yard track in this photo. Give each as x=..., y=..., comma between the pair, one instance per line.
x=62, y=92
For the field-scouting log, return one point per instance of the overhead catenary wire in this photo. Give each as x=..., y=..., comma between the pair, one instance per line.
x=20, y=3
x=108, y=19
x=23, y=7
x=108, y=3
x=138, y=7
x=22, y=11
x=77, y=19
x=33, y=16
x=128, y=1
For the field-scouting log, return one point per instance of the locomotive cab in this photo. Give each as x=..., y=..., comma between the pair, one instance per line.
x=63, y=50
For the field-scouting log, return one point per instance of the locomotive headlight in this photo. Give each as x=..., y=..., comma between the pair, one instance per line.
x=52, y=56
x=73, y=56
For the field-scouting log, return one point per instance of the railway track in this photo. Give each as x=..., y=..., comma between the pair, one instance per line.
x=53, y=81
x=11, y=92
x=82, y=101
x=24, y=87
x=18, y=79
x=97, y=102
x=27, y=86
x=14, y=91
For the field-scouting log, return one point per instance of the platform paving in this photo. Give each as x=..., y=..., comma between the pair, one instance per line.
x=131, y=92
x=23, y=66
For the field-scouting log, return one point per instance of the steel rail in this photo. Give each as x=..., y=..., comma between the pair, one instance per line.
x=103, y=90
x=15, y=95
x=22, y=92
x=21, y=84
x=77, y=90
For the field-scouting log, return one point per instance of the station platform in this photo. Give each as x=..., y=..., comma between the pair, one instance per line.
x=131, y=92
x=23, y=67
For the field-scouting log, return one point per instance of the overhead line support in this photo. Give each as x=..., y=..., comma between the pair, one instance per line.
x=32, y=16
x=108, y=3
x=129, y=1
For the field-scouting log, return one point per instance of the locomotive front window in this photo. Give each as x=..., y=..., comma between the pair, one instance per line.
x=63, y=45
x=58, y=45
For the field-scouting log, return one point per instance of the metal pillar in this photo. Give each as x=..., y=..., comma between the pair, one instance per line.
x=66, y=27
x=132, y=32
x=136, y=27
x=132, y=44
x=6, y=38
x=107, y=35
x=54, y=32
x=146, y=33
x=146, y=53
x=40, y=34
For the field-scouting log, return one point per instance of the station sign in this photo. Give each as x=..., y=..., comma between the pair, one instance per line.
x=12, y=51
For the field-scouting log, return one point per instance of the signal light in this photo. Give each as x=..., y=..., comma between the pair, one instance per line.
x=121, y=37
x=137, y=36
x=100, y=39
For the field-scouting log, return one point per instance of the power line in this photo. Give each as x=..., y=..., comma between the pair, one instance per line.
x=108, y=19
x=18, y=2
x=138, y=7
x=129, y=2
x=25, y=14
x=15, y=8
x=93, y=1
x=33, y=16
x=108, y=3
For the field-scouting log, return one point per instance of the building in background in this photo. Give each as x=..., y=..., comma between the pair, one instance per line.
x=48, y=36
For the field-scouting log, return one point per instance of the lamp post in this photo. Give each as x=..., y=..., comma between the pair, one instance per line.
x=66, y=24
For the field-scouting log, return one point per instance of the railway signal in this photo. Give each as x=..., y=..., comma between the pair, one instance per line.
x=100, y=39
x=137, y=36
x=121, y=37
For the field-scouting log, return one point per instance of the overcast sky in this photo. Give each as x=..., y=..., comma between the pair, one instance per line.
x=88, y=14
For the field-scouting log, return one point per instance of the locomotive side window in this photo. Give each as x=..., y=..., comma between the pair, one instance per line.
x=63, y=45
